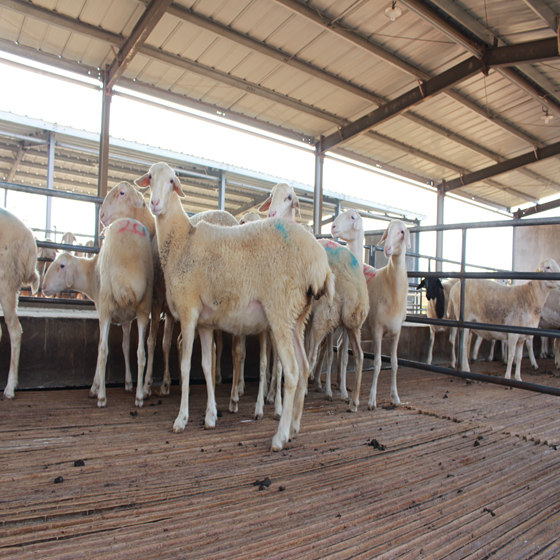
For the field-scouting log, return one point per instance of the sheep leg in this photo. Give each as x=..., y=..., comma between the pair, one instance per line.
x=142, y=323
x=273, y=373
x=544, y=347
x=452, y=339
x=126, y=328
x=219, y=349
x=476, y=348
x=431, y=345
x=187, y=339
x=284, y=346
x=465, y=356
x=556, y=350
x=152, y=337
x=102, y=352
x=394, y=367
x=354, y=338
x=518, y=358
x=242, y=355
x=263, y=364
x=512, y=344
x=342, y=362
x=15, y=331
x=376, y=337
x=530, y=352
x=166, y=345
x=206, y=345
x=491, y=353
x=237, y=343
x=303, y=366
x=322, y=351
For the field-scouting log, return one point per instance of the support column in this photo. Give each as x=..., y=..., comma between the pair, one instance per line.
x=103, y=172
x=222, y=192
x=439, y=234
x=318, y=188
x=50, y=183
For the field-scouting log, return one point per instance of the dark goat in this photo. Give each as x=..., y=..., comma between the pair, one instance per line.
x=434, y=290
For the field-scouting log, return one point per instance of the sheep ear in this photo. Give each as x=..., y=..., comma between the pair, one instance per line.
x=143, y=182
x=69, y=276
x=177, y=186
x=384, y=238
x=407, y=238
x=266, y=204
x=295, y=204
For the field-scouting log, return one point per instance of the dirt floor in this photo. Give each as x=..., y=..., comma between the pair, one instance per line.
x=459, y=470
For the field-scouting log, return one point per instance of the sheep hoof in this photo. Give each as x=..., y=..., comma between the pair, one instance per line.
x=277, y=443
x=9, y=394
x=353, y=407
x=101, y=403
x=146, y=392
x=233, y=407
x=164, y=390
x=372, y=406
x=179, y=425
x=277, y=414
x=128, y=387
x=328, y=397
x=259, y=415
x=209, y=422
x=139, y=402
x=92, y=393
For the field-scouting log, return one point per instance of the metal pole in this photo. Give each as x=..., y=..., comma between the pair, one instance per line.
x=462, y=346
x=103, y=150
x=439, y=234
x=50, y=182
x=222, y=192
x=318, y=190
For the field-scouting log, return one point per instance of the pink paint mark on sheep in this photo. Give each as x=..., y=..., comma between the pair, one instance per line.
x=369, y=272
x=332, y=244
x=133, y=227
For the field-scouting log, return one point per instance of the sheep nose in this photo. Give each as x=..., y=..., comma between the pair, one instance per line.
x=154, y=203
x=272, y=213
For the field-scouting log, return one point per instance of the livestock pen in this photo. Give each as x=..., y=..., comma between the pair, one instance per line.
x=462, y=469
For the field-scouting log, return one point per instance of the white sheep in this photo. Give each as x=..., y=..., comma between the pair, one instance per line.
x=124, y=201
x=348, y=310
x=282, y=202
x=388, y=291
x=349, y=227
x=207, y=285
x=18, y=261
x=45, y=256
x=250, y=216
x=487, y=301
x=119, y=280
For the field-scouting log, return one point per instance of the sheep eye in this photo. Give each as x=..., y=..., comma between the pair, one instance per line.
x=61, y=266
x=289, y=197
x=122, y=193
x=149, y=176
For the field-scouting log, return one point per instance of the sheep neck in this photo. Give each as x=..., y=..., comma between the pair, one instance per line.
x=171, y=224
x=87, y=278
x=356, y=246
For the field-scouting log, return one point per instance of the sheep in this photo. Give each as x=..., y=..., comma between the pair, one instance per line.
x=550, y=319
x=349, y=227
x=45, y=257
x=282, y=202
x=388, y=291
x=349, y=310
x=487, y=301
x=18, y=261
x=437, y=294
x=207, y=285
x=122, y=201
x=250, y=216
x=119, y=280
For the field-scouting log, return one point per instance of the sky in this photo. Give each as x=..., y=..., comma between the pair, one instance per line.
x=44, y=97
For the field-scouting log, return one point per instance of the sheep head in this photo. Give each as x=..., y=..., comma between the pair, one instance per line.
x=162, y=181
x=281, y=203
x=550, y=265
x=346, y=225
x=60, y=275
x=396, y=238
x=119, y=202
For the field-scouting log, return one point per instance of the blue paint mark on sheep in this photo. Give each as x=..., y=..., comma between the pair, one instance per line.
x=280, y=227
x=336, y=252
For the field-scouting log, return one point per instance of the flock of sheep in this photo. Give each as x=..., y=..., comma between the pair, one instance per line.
x=156, y=261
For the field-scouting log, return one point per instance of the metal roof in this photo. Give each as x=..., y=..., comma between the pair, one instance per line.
x=453, y=94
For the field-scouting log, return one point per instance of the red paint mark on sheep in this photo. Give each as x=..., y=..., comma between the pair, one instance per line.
x=369, y=272
x=133, y=227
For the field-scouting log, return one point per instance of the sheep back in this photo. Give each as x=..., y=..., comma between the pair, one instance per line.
x=125, y=266
x=275, y=262
x=18, y=254
x=218, y=217
x=351, y=293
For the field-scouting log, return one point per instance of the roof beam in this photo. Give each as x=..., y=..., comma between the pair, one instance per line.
x=145, y=25
x=543, y=10
x=504, y=166
x=546, y=48
x=551, y=205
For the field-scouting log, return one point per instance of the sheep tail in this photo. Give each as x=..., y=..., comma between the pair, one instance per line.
x=33, y=280
x=324, y=289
